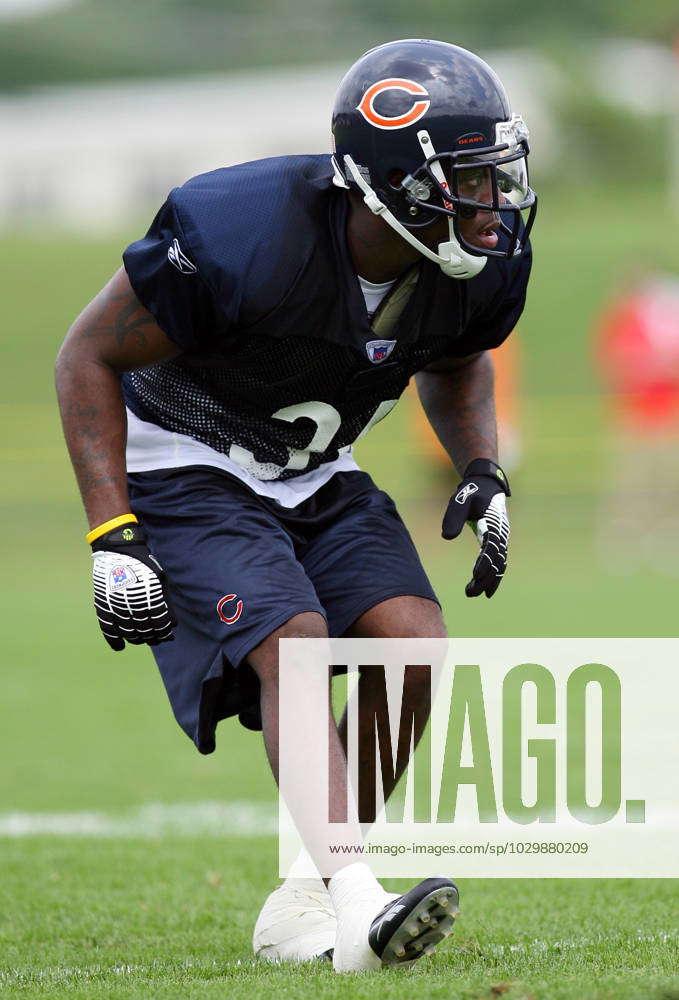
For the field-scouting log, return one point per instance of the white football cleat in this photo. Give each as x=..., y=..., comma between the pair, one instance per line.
x=297, y=923
x=352, y=951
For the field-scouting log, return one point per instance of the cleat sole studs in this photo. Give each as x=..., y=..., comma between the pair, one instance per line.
x=430, y=949
x=412, y=929
x=425, y=918
x=400, y=952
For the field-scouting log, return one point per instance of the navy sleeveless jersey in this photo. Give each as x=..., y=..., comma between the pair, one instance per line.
x=247, y=269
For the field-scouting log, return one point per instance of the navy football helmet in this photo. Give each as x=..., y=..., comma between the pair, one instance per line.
x=423, y=129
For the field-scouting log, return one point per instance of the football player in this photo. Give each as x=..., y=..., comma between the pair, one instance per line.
x=211, y=394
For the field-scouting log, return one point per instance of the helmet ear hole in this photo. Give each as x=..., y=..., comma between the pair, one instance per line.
x=395, y=178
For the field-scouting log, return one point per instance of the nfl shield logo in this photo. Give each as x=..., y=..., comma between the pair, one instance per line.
x=121, y=577
x=378, y=350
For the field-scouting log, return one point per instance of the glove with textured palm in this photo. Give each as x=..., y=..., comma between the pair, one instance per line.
x=480, y=500
x=130, y=594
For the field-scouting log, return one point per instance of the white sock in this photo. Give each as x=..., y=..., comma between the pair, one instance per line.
x=353, y=883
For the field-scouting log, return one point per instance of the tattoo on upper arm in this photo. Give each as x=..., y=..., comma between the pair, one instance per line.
x=127, y=323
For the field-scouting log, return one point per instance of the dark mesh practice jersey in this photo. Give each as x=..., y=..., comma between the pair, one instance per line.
x=248, y=271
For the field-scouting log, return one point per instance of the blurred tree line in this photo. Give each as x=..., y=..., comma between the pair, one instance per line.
x=100, y=39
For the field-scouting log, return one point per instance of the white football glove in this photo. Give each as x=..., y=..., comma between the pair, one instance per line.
x=130, y=595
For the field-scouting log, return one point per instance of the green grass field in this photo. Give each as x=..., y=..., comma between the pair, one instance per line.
x=138, y=910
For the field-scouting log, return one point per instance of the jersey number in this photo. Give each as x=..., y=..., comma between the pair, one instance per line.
x=327, y=421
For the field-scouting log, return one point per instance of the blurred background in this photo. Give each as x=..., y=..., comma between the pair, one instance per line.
x=104, y=107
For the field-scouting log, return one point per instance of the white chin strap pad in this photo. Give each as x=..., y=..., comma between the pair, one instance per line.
x=451, y=258
x=456, y=262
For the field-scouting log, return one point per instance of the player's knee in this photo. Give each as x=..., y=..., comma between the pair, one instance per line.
x=264, y=658
x=307, y=625
x=433, y=627
x=406, y=617
x=422, y=619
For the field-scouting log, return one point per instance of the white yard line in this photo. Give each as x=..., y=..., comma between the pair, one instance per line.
x=213, y=819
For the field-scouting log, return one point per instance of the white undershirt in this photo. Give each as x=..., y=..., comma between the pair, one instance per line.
x=374, y=292
x=152, y=447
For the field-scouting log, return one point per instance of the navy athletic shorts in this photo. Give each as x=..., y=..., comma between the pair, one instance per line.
x=240, y=565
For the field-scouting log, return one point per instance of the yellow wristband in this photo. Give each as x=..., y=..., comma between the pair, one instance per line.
x=115, y=522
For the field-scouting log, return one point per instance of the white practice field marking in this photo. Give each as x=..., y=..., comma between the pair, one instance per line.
x=188, y=819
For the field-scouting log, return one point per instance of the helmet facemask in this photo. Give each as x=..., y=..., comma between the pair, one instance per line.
x=457, y=185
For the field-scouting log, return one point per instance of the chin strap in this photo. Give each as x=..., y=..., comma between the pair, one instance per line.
x=451, y=258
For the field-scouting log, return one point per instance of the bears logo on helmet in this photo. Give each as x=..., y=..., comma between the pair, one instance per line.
x=409, y=117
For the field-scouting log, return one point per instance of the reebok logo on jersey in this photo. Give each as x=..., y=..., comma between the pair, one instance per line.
x=379, y=350
x=466, y=492
x=222, y=609
x=178, y=259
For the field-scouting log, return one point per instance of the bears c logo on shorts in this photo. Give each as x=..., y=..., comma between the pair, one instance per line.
x=229, y=619
x=413, y=114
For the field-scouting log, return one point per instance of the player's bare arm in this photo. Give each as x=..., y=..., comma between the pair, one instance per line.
x=113, y=334
x=458, y=396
